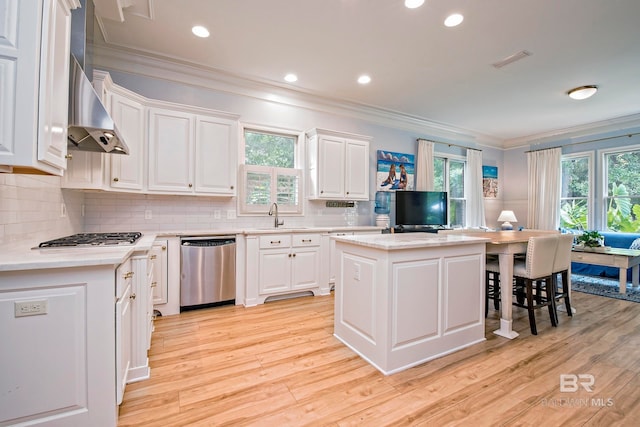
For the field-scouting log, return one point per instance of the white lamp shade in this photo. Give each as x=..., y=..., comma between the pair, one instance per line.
x=507, y=216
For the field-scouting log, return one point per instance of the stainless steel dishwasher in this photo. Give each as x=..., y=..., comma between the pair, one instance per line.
x=207, y=271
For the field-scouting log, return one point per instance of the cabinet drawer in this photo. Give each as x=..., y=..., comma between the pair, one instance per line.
x=306, y=240
x=275, y=241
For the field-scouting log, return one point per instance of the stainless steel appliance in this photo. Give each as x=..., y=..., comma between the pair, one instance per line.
x=207, y=272
x=93, y=239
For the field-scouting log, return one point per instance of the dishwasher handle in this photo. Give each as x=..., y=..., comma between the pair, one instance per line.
x=209, y=242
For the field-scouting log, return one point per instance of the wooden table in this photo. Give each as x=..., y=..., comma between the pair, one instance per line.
x=506, y=244
x=612, y=257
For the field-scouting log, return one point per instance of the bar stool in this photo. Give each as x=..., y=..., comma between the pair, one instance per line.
x=491, y=284
x=537, y=269
x=561, y=265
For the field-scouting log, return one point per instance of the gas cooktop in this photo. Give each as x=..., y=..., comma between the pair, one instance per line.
x=93, y=239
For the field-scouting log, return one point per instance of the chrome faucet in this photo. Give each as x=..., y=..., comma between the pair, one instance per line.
x=273, y=210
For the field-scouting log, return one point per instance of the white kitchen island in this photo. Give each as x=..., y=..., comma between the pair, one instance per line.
x=404, y=299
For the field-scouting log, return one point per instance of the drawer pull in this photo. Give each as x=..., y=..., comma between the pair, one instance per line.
x=116, y=179
x=154, y=284
x=128, y=275
x=133, y=296
x=153, y=257
x=275, y=242
x=306, y=240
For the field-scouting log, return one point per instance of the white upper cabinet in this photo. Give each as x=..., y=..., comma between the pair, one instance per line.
x=171, y=149
x=34, y=76
x=338, y=165
x=127, y=172
x=192, y=153
x=216, y=155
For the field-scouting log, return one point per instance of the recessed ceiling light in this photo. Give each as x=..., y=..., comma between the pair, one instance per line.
x=291, y=78
x=200, y=31
x=453, y=20
x=582, y=92
x=412, y=4
x=364, y=79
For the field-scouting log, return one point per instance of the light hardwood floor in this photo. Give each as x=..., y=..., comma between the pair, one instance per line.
x=278, y=364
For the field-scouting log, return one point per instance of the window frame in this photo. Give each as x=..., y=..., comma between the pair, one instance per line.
x=603, y=182
x=589, y=155
x=448, y=158
x=244, y=169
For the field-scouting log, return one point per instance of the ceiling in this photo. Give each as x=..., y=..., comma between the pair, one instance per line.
x=419, y=68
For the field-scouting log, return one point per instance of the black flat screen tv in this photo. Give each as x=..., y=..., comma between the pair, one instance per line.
x=421, y=208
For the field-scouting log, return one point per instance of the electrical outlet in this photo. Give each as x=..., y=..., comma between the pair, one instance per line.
x=30, y=308
x=216, y=214
x=231, y=214
x=147, y=214
x=63, y=210
x=82, y=210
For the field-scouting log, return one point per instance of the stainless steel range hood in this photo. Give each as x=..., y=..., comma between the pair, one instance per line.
x=91, y=128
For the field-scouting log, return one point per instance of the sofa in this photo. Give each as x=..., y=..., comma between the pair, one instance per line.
x=615, y=240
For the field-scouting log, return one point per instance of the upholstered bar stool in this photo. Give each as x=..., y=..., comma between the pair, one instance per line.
x=561, y=265
x=537, y=267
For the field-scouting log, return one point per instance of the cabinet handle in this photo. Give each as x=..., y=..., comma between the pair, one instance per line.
x=128, y=275
x=277, y=242
x=116, y=179
x=133, y=296
x=68, y=156
x=190, y=185
x=153, y=257
x=306, y=240
x=154, y=284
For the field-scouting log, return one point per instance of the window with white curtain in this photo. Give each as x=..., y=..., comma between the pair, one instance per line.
x=577, y=192
x=270, y=172
x=448, y=176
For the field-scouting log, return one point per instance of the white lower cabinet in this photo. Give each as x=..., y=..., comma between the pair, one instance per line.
x=159, y=284
x=286, y=263
x=124, y=322
x=141, y=316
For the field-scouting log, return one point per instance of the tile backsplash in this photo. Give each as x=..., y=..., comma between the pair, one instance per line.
x=34, y=208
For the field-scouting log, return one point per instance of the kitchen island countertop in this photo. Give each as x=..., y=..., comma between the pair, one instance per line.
x=409, y=240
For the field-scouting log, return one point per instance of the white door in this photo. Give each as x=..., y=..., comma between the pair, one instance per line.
x=170, y=151
x=305, y=268
x=357, y=170
x=274, y=270
x=215, y=152
x=331, y=163
x=127, y=171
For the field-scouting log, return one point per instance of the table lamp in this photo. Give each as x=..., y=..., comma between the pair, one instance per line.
x=506, y=217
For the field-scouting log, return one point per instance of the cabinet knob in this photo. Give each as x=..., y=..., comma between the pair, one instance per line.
x=164, y=248
x=289, y=255
x=190, y=185
x=231, y=187
x=116, y=179
x=133, y=296
x=294, y=255
x=321, y=191
x=68, y=156
x=347, y=192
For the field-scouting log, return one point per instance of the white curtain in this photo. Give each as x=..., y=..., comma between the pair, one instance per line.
x=473, y=186
x=544, y=189
x=424, y=166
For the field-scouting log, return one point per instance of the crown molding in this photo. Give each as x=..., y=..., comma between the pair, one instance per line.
x=144, y=64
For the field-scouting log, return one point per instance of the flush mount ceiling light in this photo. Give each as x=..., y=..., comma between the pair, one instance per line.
x=291, y=78
x=582, y=92
x=364, y=79
x=453, y=20
x=200, y=31
x=412, y=4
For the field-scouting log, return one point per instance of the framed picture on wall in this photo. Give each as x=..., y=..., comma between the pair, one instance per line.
x=396, y=171
x=490, y=181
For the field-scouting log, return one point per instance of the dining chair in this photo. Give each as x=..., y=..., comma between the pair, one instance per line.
x=537, y=269
x=561, y=265
x=491, y=284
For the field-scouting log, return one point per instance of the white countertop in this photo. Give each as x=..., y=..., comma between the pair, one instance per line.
x=408, y=240
x=21, y=256
x=269, y=230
